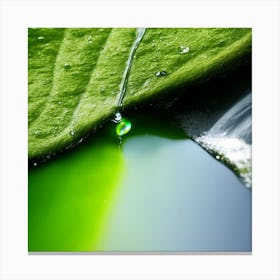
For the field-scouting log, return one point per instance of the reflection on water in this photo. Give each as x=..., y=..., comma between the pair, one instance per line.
x=176, y=197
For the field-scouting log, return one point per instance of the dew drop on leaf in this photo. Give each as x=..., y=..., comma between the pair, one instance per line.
x=41, y=38
x=89, y=39
x=72, y=132
x=184, y=50
x=67, y=66
x=160, y=73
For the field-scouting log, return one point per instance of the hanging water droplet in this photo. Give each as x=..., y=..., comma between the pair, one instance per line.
x=72, y=132
x=41, y=38
x=67, y=66
x=123, y=127
x=184, y=50
x=117, y=117
x=35, y=164
x=160, y=74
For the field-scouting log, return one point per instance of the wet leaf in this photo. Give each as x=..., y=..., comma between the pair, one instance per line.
x=74, y=74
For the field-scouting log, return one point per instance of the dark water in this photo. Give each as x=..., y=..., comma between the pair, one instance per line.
x=157, y=191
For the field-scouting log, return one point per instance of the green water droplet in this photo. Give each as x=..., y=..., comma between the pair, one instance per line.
x=67, y=66
x=123, y=127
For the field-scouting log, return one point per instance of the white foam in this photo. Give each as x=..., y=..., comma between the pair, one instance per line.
x=231, y=150
x=230, y=136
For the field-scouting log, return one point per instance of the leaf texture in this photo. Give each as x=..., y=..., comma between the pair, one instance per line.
x=74, y=74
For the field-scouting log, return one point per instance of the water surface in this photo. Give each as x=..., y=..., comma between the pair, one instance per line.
x=157, y=191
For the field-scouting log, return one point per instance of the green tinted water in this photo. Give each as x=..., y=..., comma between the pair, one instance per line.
x=157, y=191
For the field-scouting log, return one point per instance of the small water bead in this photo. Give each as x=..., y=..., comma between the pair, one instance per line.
x=123, y=127
x=118, y=117
x=89, y=39
x=72, y=132
x=35, y=164
x=41, y=38
x=67, y=66
x=37, y=132
x=218, y=157
x=160, y=73
x=184, y=50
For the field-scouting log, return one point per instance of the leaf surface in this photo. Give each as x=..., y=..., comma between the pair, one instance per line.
x=74, y=74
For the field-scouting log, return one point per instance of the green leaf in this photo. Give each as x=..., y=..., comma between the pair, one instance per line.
x=74, y=74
